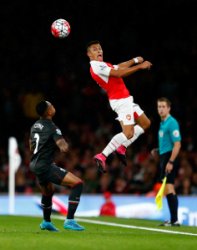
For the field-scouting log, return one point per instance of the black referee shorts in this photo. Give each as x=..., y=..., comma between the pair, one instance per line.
x=55, y=175
x=164, y=158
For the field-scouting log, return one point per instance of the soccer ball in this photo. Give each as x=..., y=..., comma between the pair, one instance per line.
x=60, y=28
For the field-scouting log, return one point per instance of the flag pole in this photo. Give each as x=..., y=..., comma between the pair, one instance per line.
x=14, y=163
x=11, y=189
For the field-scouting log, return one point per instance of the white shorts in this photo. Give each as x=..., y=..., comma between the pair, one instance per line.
x=126, y=110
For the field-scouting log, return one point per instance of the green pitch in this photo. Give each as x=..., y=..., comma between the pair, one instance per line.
x=18, y=232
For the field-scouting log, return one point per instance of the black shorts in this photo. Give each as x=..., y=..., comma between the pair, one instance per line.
x=55, y=175
x=164, y=158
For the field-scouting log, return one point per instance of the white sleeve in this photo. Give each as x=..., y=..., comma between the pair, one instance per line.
x=101, y=68
x=115, y=67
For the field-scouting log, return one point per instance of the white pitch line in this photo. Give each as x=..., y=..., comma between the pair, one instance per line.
x=129, y=226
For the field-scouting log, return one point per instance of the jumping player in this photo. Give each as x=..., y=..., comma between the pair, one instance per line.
x=132, y=118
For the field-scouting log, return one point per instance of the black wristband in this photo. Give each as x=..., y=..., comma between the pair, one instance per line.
x=171, y=162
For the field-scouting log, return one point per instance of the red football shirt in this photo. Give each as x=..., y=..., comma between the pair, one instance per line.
x=114, y=86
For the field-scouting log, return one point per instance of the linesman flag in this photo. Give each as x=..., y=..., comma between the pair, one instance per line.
x=159, y=196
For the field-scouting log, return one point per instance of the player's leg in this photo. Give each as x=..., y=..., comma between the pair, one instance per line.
x=76, y=185
x=46, y=204
x=60, y=176
x=170, y=192
x=172, y=199
x=121, y=150
x=115, y=143
x=124, y=110
x=142, y=123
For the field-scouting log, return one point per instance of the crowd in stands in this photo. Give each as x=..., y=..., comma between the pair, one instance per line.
x=61, y=75
x=88, y=125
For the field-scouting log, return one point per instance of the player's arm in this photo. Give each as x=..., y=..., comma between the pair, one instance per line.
x=123, y=72
x=62, y=145
x=175, y=151
x=131, y=62
x=174, y=154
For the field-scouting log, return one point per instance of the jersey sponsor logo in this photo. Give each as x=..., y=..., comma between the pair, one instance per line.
x=128, y=117
x=176, y=133
x=102, y=67
x=58, y=131
x=161, y=133
x=38, y=125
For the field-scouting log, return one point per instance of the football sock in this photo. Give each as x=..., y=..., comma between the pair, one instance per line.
x=173, y=206
x=137, y=132
x=74, y=199
x=121, y=150
x=46, y=204
x=115, y=143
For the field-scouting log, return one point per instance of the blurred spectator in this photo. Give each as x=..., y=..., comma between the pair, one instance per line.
x=194, y=184
x=109, y=207
x=29, y=100
x=184, y=187
x=33, y=67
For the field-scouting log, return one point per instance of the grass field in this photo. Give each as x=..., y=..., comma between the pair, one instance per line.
x=20, y=232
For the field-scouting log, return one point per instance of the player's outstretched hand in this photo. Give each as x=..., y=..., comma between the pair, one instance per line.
x=140, y=59
x=146, y=65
